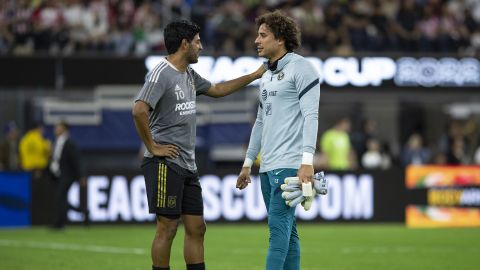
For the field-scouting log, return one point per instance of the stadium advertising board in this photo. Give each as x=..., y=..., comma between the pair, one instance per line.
x=358, y=72
x=15, y=199
x=360, y=197
x=441, y=196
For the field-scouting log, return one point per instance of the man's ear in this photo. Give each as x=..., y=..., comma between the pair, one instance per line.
x=184, y=44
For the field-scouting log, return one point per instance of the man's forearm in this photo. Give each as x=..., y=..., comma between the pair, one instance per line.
x=226, y=88
x=310, y=129
x=141, y=125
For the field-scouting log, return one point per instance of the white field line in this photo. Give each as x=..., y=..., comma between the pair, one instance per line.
x=75, y=247
x=237, y=251
x=368, y=250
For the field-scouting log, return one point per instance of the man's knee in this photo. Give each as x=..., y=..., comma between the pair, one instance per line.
x=166, y=227
x=197, y=230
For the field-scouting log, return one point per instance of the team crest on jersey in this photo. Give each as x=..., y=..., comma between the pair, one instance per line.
x=280, y=76
x=192, y=85
x=172, y=201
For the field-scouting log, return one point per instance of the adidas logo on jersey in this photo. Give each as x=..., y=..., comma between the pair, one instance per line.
x=177, y=88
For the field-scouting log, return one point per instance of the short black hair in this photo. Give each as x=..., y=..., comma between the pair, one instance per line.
x=177, y=31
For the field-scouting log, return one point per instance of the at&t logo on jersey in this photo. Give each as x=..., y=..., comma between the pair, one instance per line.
x=264, y=94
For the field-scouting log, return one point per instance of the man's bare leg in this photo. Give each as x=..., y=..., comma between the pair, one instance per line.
x=162, y=243
x=193, y=250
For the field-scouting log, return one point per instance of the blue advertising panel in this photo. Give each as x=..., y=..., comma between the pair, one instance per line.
x=15, y=199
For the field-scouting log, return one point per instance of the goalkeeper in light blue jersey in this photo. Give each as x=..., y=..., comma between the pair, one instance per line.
x=285, y=131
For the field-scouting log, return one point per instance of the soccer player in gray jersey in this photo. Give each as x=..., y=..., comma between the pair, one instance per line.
x=164, y=114
x=285, y=132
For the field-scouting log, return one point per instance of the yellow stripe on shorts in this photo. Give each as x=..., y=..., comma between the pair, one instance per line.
x=164, y=184
x=158, y=184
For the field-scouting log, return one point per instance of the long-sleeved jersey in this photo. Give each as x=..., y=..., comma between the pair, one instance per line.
x=287, y=117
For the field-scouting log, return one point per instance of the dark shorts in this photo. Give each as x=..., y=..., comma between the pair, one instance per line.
x=171, y=190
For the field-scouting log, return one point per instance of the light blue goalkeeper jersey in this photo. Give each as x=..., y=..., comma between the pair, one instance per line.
x=287, y=117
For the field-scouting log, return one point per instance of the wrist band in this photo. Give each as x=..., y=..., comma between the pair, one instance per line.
x=307, y=158
x=247, y=163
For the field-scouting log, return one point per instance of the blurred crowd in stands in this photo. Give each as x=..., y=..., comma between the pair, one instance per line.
x=340, y=148
x=336, y=26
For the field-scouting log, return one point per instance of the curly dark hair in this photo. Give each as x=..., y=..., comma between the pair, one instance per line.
x=177, y=31
x=282, y=27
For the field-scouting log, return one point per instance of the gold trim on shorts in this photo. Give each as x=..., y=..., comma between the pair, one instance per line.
x=161, y=185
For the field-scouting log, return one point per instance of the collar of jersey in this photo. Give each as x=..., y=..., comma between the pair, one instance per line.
x=171, y=65
x=278, y=65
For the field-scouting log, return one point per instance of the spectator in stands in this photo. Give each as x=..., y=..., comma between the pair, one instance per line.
x=380, y=30
x=66, y=167
x=336, y=146
x=476, y=157
x=73, y=15
x=457, y=152
x=429, y=30
x=6, y=38
x=405, y=26
x=229, y=16
x=334, y=28
x=415, y=152
x=361, y=137
x=50, y=33
x=374, y=158
x=9, y=148
x=474, y=48
x=452, y=33
x=34, y=151
x=453, y=143
x=471, y=132
x=21, y=27
x=147, y=29
x=201, y=11
x=121, y=29
x=310, y=19
x=96, y=24
x=356, y=20
x=175, y=10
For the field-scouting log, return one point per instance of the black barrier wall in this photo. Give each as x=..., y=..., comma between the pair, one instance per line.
x=369, y=196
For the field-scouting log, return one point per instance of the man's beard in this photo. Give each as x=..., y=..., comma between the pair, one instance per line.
x=192, y=56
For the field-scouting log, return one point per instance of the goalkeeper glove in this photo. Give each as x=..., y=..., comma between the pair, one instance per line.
x=320, y=183
x=307, y=203
x=293, y=194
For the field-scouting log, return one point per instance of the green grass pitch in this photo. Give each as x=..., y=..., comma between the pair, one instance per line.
x=242, y=246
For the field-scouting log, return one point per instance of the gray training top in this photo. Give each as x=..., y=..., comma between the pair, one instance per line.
x=287, y=118
x=171, y=95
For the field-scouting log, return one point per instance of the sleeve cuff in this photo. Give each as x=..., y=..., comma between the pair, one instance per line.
x=247, y=163
x=307, y=158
